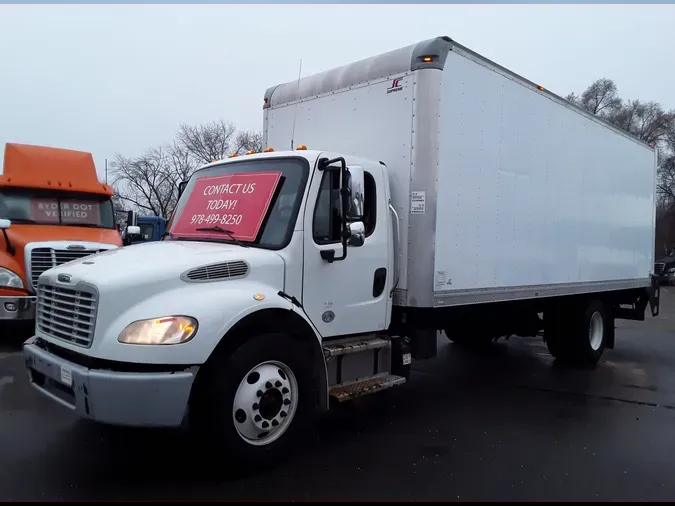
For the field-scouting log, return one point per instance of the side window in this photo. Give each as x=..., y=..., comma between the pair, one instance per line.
x=327, y=213
x=326, y=228
x=370, y=207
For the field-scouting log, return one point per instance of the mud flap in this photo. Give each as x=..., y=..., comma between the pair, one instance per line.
x=654, y=296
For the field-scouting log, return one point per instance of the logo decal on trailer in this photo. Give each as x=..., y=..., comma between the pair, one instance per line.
x=395, y=86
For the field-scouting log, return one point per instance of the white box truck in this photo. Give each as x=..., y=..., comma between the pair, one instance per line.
x=441, y=192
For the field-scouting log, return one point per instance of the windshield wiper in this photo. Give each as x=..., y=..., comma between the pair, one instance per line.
x=216, y=228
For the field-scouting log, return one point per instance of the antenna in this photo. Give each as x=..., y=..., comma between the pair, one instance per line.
x=295, y=110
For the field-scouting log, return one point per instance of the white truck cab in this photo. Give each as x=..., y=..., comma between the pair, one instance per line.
x=155, y=328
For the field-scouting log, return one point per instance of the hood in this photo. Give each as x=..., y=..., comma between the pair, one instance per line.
x=22, y=234
x=666, y=260
x=161, y=264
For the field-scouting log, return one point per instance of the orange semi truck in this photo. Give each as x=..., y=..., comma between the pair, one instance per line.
x=53, y=209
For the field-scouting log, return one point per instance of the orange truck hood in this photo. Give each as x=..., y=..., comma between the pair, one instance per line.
x=20, y=235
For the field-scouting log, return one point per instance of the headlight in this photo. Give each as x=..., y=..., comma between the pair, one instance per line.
x=166, y=330
x=10, y=279
x=671, y=270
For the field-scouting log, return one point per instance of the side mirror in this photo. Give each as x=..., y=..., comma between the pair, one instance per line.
x=181, y=188
x=357, y=234
x=133, y=230
x=5, y=224
x=132, y=219
x=356, y=189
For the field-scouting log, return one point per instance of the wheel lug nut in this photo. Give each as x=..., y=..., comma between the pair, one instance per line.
x=287, y=402
x=283, y=414
x=268, y=385
x=258, y=418
x=277, y=384
x=284, y=390
x=275, y=423
x=265, y=425
x=259, y=393
x=255, y=405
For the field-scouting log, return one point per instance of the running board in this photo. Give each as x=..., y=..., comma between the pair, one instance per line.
x=331, y=350
x=352, y=390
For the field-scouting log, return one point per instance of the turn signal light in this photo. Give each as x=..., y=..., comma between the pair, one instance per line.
x=233, y=155
x=269, y=150
x=250, y=152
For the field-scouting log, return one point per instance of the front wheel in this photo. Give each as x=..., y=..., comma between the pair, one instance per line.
x=254, y=403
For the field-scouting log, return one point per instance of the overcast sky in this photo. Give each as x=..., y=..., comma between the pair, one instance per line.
x=118, y=78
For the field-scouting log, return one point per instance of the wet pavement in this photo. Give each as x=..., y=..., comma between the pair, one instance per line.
x=503, y=424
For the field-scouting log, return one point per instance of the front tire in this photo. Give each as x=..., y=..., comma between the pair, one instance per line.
x=253, y=404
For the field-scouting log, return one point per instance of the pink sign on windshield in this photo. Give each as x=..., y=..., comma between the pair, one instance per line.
x=234, y=202
x=46, y=210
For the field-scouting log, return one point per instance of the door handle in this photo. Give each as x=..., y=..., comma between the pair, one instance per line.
x=379, y=281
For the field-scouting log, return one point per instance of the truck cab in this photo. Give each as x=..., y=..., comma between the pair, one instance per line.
x=150, y=229
x=265, y=258
x=53, y=209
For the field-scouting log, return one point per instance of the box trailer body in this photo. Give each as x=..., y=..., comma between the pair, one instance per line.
x=504, y=190
x=441, y=192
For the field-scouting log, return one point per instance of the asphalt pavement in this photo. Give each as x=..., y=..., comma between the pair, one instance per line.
x=506, y=424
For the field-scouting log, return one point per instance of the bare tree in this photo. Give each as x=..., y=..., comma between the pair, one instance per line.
x=600, y=98
x=209, y=142
x=248, y=141
x=144, y=182
x=646, y=120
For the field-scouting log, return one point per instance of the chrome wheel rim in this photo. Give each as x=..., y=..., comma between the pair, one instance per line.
x=596, y=330
x=265, y=403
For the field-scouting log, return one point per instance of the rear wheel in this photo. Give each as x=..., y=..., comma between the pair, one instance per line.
x=253, y=404
x=579, y=333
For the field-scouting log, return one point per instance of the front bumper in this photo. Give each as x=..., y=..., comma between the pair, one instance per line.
x=17, y=308
x=666, y=278
x=134, y=399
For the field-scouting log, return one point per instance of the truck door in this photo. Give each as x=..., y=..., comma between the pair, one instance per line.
x=348, y=296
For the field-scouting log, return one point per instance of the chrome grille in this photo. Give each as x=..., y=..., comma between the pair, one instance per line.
x=658, y=268
x=218, y=271
x=43, y=259
x=66, y=313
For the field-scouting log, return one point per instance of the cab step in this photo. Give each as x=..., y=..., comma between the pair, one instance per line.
x=339, y=348
x=348, y=391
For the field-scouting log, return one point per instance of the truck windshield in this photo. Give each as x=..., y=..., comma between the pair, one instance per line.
x=42, y=207
x=250, y=201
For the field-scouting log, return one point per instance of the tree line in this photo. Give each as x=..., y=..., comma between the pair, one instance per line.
x=149, y=183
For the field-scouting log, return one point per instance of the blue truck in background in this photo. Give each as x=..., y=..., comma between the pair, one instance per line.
x=152, y=228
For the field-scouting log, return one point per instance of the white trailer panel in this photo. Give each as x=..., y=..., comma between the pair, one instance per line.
x=531, y=193
x=505, y=191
